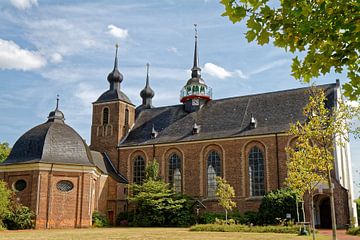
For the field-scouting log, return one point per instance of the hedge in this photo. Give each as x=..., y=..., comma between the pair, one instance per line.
x=244, y=228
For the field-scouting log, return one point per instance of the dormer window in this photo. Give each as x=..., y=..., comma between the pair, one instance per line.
x=196, y=129
x=253, y=122
x=154, y=133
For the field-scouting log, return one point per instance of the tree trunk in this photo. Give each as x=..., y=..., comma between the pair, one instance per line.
x=303, y=211
x=226, y=217
x=312, y=216
x=332, y=207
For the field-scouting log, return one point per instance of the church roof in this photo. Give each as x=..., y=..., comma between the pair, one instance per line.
x=102, y=161
x=51, y=142
x=223, y=118
x=113, y=95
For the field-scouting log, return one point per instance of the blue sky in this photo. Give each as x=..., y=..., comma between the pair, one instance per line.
x=67, y=48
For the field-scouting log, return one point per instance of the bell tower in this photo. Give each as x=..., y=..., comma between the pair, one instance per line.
x=195, y=93
x=113, y=115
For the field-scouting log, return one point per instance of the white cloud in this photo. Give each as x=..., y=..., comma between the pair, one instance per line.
x=23, y=4
x=14, y=57
x=56, y=58
x=217, y=71
x=118, y=32
x=241, y=74
x=173, y=49
x=274, y=64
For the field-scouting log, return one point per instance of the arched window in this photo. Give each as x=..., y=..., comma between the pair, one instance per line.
x=256, y=172
x=106, y=116
x=126, y=117
x=213, y=170
x=174, y=163
x=139, y=170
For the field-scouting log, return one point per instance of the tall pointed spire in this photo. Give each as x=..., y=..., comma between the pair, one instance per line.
x=147, y=93
x=195, y=71
x=115, y=77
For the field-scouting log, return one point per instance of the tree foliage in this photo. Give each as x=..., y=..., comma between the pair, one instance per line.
x=4, y=151
x=5, y=196
x=276, y=204
x=156, y=203
x=225, y=193
x=312, y=158
x=327, y=30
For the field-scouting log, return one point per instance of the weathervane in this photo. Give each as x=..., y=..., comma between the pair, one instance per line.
x=196, y=32
x=57, y=100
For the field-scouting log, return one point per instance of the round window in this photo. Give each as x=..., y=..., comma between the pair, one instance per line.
x=64, y=186
x=20, y=185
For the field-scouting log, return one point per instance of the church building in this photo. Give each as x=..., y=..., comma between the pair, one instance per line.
x=241, y=139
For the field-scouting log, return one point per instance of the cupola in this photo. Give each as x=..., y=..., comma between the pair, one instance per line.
x=147, y=93
x=195, y=93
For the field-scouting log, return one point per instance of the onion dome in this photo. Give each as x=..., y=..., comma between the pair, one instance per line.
x=147, y=93
x=51, y=142
x=195, y=87
x=114, y=78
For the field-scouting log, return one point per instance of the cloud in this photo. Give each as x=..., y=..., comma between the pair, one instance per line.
x=276, y=63
x=14, y=57
x=56, y=58
x=23, y=4
x=217, y=71
x=241, y=74
x=173, y=49
x=118, y=32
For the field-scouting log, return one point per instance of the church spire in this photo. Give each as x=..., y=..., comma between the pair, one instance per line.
x=147, y=93
x=115, y=77
x=195, y=71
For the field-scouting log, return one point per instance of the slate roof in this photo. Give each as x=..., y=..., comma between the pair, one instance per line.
x=223, y=118
x=103, y=162
x=50, y=142
x=113, y=95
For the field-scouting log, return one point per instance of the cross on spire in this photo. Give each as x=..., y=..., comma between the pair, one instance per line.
x=195, y=71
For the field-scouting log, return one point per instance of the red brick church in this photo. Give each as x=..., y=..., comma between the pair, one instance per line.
x=242, y=139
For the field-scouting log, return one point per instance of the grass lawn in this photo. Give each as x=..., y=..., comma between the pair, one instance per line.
x=144, y=233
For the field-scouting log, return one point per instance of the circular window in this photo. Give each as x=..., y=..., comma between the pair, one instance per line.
x=64, y=186
x=20, y=185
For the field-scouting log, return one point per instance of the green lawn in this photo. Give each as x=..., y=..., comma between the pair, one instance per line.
x=143, y=233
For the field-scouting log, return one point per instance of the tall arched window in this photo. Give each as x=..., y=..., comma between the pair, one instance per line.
x=139, y=170
x=126, y=117
x=213, y=170
x=106, y=116
x=174, y=163
x=256, y=172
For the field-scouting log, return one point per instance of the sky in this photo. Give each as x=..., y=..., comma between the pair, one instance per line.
x=50, y=47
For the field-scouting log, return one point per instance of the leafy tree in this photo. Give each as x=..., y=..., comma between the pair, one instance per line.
x=5, y=196
x=4, y=151
x=225, y=193
x=156, y=203
x=311, y=159
x=329, y=32
x=276, y=204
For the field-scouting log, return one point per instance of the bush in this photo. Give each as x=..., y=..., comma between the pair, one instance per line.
x=124, y=218
x=353, y=231
x=276, y=204
x=251, y=217
x=209, y=217
x=20, y=217
x=99, y=220
x=5, y=196
x=244, y=228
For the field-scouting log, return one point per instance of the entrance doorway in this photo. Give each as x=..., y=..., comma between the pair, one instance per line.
x=325, y=213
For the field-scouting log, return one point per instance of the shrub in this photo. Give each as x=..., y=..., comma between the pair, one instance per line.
x=244, y=228
x=353, y=231
x=276, y=204
x=124, y=218
x=99, y=220
x=209, y=217
x=250, y=217
x=5, y=195
x=20, y=217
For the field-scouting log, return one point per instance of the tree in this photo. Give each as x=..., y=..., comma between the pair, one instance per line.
x=225, y=193
x=4, y=151
x=5, y=197
x=312, y=158
x=156, y=203
x=328, y=30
